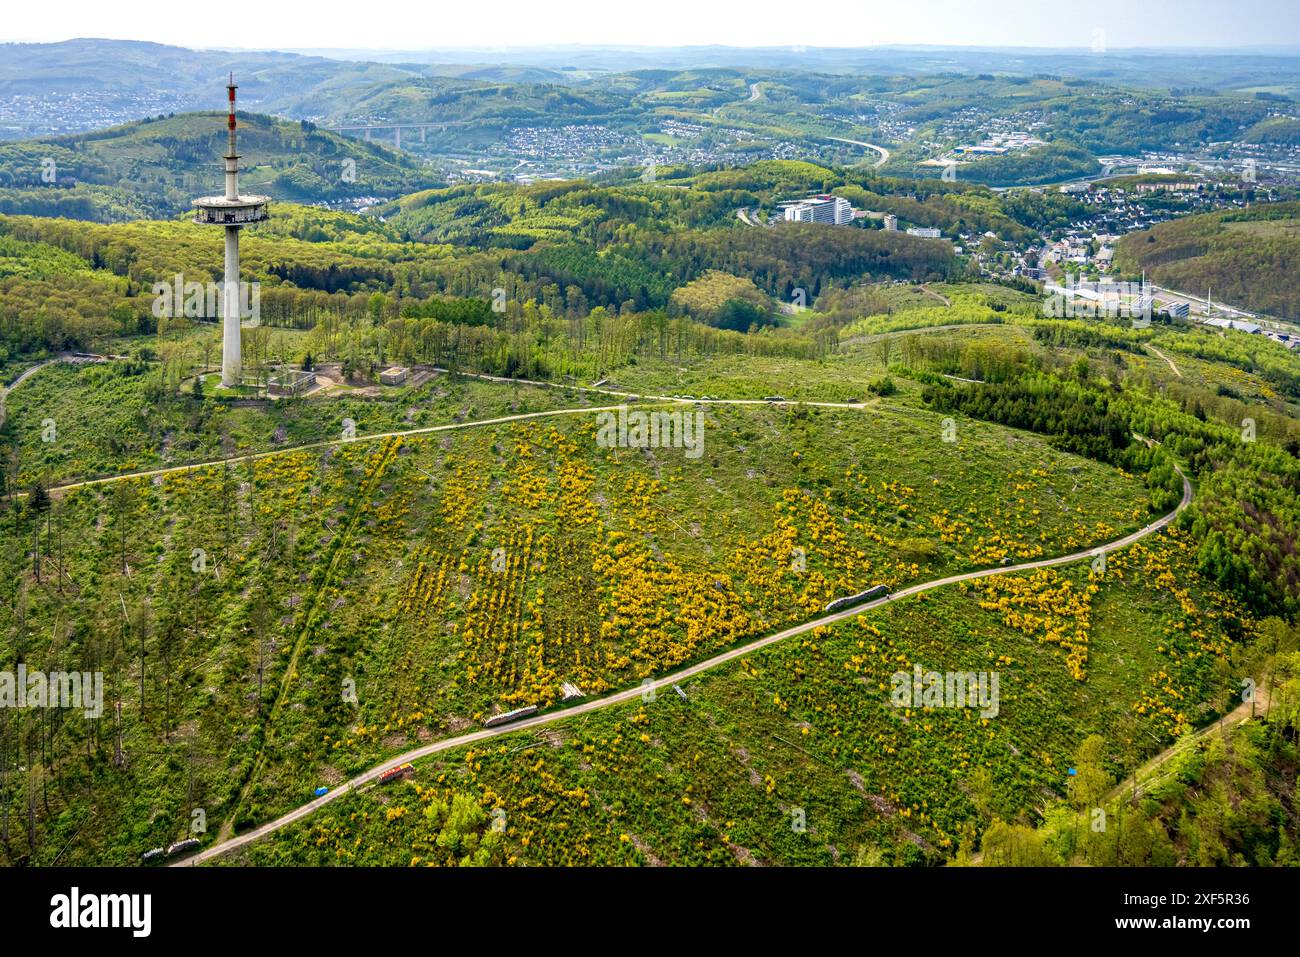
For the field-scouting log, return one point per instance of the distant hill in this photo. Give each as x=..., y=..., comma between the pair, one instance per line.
x=153, y=168
x=1147, y=67
x=88, y=84
x=1105, y=104
x=1274, y=130
x=469, y=111
x=1248, y=256
x=1043, y=164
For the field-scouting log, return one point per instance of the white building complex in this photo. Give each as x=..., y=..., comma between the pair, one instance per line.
x=832, y=210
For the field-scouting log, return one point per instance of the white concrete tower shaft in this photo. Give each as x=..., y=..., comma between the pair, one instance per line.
x=232, y=362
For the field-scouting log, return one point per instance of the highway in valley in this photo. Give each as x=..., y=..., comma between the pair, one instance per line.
x=884, y=153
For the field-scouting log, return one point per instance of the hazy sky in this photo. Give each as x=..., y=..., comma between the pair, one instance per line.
x=415, y=25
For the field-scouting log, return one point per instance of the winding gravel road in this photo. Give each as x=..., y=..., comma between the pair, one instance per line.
x=448, y=427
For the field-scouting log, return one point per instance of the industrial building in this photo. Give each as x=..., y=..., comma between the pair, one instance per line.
x=1240, y=325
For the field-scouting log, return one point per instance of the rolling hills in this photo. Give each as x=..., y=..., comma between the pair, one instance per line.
x=153, y=168
x=1247, y=257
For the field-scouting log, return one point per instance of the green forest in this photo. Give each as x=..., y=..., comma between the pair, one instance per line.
x=878, y=411
x=1245, y=257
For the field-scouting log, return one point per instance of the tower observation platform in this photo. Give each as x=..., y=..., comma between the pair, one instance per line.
x=232, y=211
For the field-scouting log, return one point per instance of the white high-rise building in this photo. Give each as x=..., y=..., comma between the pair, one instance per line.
x=833, y=210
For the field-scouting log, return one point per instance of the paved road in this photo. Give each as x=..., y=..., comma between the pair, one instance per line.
x=629, y=694
x=667, y=681
x=32, y=370
x=29, y=372
x=326, y=443
x=648, y=397
x=884, y=153
x=4, y=392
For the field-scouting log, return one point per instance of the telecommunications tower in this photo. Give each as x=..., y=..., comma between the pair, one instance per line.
x=233, y=212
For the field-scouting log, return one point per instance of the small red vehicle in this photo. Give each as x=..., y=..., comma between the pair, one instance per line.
x=392, y=774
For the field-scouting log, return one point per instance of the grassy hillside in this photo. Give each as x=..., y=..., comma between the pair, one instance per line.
x=1223, y=798
x=379, y=568
x=568, y=247
x=294, y=603
x=445, y=575
x=1043, y=164
x=794, y=756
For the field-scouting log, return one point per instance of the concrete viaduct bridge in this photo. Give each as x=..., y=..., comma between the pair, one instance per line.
x=397, y=128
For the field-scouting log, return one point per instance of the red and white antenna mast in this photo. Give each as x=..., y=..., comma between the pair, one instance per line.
x=232, y=155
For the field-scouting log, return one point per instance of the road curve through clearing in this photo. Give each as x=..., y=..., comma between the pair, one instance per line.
x=25, y=375
x=668, y=680
x=448, y=427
